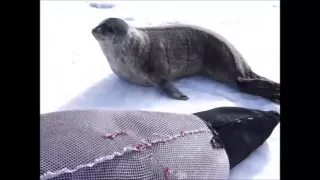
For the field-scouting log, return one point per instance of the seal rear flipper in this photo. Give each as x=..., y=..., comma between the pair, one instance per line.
x=167, y=88
x=260, y=86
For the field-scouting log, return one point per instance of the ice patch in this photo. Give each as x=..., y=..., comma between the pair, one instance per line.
x=101, y=5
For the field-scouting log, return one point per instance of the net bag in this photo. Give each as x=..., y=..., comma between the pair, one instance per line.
x=101, y=144
x=110, y=144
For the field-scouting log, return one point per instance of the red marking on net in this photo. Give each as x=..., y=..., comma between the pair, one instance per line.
x=147, y=145
x=138, y=147
x=166, y=173
x=112, y=136
x=182, y=132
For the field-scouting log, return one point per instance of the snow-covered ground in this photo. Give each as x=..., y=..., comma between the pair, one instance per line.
x=75, y=73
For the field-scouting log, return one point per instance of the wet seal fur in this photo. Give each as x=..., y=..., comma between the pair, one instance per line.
x=156, y=56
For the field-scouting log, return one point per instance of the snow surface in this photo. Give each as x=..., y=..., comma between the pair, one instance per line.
x=75, y=73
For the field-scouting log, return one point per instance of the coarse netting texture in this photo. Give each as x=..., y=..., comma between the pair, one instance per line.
x=109, y=144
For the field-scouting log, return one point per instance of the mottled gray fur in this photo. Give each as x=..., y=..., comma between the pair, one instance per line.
x=156, y=56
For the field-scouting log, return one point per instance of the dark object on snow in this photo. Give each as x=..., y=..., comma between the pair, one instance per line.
x=101, y=5
x=241, y=130
x=157, y=56
x=111, y=144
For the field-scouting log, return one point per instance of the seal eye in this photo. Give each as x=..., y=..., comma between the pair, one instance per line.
x=107, y=29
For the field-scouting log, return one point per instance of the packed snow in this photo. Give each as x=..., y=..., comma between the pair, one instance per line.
x=75, y=74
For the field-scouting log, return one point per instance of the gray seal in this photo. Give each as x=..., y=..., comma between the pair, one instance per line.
x=157, y=56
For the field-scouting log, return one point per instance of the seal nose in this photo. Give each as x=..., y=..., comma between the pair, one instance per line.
x=96, y=30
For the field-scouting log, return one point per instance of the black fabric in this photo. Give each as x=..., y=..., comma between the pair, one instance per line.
x=241, y=130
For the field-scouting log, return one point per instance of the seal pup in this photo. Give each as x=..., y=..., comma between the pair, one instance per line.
x=156, y=56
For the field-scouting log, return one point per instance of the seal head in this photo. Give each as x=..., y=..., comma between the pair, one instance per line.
x=110, y=30
x=125, y=48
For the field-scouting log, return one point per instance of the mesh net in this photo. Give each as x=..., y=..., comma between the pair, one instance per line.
x=110, y=144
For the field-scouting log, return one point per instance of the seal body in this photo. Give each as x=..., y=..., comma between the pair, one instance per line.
x=190, y=50
x=156, y=56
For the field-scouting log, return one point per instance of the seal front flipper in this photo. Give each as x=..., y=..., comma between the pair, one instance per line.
x=167, y=88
